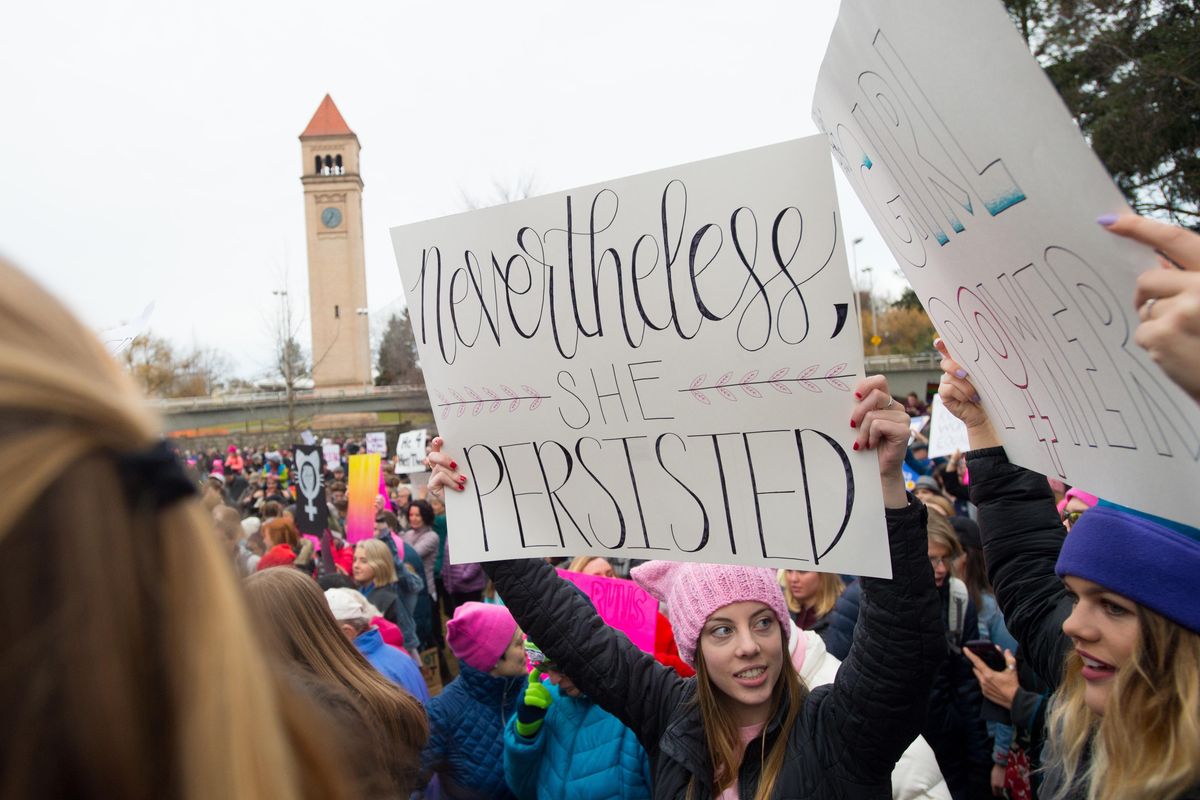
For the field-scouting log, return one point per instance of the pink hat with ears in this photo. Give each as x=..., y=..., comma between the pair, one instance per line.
x=693, y=592
x=1089, y=499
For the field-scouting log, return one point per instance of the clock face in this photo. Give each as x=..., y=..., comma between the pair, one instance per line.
x=331, y=217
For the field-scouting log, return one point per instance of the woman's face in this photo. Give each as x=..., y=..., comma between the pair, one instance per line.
x=599, y=566
x=939, y=559
x=1104, y=628
x=363, y=573
x=803, y=585
x=512, y=663
x=415, y=520
x=743, y=655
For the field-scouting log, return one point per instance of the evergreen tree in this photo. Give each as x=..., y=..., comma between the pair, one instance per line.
x=1129, y=71
x=397, y=360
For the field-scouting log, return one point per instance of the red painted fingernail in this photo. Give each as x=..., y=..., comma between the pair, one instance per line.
x=462, y=478
x=453, y=465
x=856, y=445
x=858, y=395
x=853, y=424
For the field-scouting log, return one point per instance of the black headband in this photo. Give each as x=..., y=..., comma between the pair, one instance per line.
x=154, y=473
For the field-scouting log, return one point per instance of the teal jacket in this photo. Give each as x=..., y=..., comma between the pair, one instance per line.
x=581, y=752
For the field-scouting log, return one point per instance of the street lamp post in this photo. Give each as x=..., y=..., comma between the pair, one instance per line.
x=874, y=313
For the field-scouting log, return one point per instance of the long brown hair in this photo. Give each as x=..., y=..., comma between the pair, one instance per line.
x=299, y=628
x=721, y=732
x=1144, y=746
x=128, y=656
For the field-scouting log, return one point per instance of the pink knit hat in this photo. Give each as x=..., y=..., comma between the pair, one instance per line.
x=693, y=592
x=479, y=634
x=1090, y=500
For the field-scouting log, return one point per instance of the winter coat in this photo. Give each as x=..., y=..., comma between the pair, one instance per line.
x=581, y=752
x=847, y=737
x=466, y=734
x=916, y=776
x=387, y=600
x=1022, y=536
x=392, y=664
x=837, y=627
x=954, y=728
x=427, y=544
x=461, y=578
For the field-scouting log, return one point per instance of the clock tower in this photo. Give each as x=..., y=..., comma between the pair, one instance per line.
x=337, y=279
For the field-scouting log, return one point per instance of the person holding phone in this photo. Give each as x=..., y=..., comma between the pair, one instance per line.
x=1106, y=615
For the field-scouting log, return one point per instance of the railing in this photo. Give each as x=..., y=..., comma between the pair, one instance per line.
x=248, y=399
x=912, y=361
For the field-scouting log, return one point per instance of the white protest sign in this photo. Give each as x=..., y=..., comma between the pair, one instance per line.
x=307, y=437
x=979, y=181
x=660, y=366
x=118, y=338
x=915, y=426
x=376, y=442
x=332, y=453
x=947, y=432
x=410, y=451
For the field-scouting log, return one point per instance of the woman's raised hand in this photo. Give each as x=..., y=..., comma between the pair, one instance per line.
x=960, y=399
x=882, y=425
x=1168, y=299
x=445, y=471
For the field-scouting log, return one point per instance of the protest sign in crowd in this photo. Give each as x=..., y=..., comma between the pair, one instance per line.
x=669, y=539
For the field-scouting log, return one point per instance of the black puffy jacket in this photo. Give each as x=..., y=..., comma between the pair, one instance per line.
x=848, y=735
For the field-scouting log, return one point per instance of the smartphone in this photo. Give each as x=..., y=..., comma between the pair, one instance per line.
x=989, y=653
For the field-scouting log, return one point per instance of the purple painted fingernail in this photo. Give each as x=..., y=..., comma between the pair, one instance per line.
x=1106, y=219
x=975, y=398
x=960, y=373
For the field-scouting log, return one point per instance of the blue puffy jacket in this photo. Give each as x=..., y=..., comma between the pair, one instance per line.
x=393, y=664
x=581, y=752
x=466, y=733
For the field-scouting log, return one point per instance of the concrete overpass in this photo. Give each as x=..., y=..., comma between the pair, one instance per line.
x=188, y=413
x=907, y=373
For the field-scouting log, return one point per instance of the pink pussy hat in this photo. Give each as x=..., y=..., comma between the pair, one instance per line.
x=693, y=592
x=479, y=634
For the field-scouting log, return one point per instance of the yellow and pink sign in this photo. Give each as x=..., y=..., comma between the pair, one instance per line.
x=363, y=488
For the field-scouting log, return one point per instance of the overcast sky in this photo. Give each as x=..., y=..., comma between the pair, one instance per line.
x=150, y=150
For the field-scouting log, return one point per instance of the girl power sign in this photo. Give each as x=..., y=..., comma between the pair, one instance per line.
x=660, y=366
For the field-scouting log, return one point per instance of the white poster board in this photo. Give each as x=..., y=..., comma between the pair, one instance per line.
x=376, y=442
x=410, y=451
x=332, y=453
x=947, y=432
x=660, y=366
x=915, y=426
x=118, y=338
x=987, y=195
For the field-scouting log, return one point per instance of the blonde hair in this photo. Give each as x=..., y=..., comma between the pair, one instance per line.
x=830, y=590
x=379, y=558
x=941, y=532
x=128, y=654
x=1144, y=746
x=299, y=628
x=579, y=563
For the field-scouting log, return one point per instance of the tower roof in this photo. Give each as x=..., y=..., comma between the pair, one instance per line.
x=327, y=121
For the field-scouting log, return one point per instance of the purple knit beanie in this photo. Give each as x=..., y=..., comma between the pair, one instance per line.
x=693, y=592
x=479, y=634
x=1151, y=564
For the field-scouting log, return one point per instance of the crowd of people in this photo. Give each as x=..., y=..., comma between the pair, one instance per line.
x=173, y=633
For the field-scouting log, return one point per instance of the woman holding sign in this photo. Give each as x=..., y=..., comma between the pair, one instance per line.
x=1107, y=614
x=746, y=725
